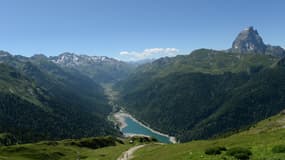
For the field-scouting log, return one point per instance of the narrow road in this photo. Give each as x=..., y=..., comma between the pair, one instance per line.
x=129, y=153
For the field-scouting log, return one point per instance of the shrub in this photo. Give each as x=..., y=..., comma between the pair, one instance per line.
x=279, y=149
x=153, y=139
x=7, y=139
x=50, y=143
x=143, y=139
x=242, y=156
x=94, y=143
x=239, y=153
x=215, y=150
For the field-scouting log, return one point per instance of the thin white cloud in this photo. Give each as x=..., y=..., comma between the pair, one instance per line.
x=124, y=53
x=149, y=53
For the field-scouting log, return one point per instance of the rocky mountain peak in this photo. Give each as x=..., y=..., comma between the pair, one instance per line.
x=250, y=29
x=4, y=54
x=248, y=41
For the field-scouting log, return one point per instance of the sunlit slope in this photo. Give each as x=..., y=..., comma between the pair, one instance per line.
x=96, y=148
x=263, y=140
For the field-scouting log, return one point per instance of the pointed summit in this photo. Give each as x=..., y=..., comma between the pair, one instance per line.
x=250, y=28
x=248, y=41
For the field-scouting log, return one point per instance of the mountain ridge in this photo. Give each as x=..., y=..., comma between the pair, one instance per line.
x=101, y=69
x=72, y=59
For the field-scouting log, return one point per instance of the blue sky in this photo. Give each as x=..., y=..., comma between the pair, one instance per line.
x=135, y=28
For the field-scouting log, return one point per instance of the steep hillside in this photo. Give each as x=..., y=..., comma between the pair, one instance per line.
x=206, y=93
x=40, y=100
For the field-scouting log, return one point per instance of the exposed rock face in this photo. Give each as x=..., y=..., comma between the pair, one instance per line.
x=249, y=41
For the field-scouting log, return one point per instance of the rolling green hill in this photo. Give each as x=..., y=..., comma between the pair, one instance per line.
x=206, y=93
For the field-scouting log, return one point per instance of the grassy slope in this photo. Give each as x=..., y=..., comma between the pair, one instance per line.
x=12, y=81
x=259, y=139
x=61, y=151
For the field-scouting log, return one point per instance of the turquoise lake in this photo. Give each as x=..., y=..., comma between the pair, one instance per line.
x=135, y=128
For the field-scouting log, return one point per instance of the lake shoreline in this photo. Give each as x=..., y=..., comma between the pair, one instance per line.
x=120, y=118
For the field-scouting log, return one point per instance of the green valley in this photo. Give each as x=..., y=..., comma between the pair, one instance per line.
x=206, y=93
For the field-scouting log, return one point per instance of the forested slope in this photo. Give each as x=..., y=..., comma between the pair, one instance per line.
x=40, y=100
x=206, y=93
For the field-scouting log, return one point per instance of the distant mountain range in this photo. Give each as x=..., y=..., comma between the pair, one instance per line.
x=73, y=60
x=100, y=68
x=141, y=62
